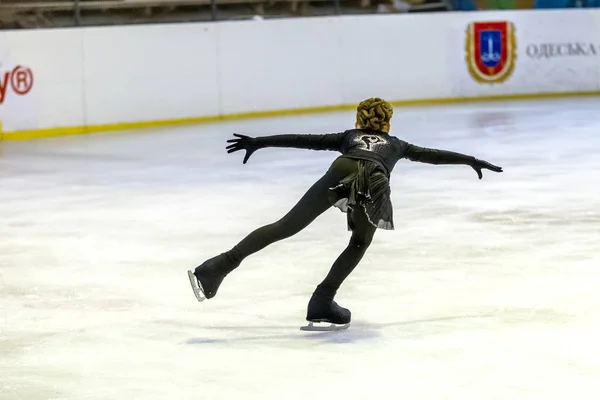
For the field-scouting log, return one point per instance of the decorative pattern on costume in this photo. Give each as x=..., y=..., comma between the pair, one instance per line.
x=370, y=142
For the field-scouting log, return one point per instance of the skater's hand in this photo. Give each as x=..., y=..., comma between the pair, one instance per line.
x=242, y=143
x=478, y=165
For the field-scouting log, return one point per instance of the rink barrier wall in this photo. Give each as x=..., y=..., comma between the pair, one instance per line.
x=79, y=130
x=67, y=82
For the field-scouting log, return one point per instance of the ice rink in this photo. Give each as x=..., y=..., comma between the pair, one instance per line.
x=486, y=289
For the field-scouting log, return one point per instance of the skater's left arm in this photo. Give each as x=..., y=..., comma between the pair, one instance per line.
x=441, y=157
x=327, y=141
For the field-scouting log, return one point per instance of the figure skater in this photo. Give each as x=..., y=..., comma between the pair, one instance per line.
x=357, y=183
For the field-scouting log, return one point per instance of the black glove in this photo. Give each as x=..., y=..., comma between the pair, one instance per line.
x=478, y=165
x=243, y=143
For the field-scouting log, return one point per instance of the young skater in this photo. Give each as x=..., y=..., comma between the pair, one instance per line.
x=357, y=182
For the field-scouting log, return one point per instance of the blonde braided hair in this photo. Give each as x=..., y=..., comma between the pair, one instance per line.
x=374, y=114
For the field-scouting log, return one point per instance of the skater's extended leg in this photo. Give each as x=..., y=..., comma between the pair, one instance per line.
x=322, y=307
x=309, y=207
x=314, y=202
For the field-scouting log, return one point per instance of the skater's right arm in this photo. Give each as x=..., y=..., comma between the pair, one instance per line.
x=327, y=141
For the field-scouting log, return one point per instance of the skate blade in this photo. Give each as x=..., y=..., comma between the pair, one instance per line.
x=196, y=287
x=311, y=327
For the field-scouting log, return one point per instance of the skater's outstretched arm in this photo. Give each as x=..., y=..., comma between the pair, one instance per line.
x=328, y=141
x=439, y=157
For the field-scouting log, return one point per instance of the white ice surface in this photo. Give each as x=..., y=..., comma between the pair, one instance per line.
x=486, y=289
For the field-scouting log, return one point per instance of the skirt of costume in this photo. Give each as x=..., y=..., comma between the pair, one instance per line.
x=367, y=188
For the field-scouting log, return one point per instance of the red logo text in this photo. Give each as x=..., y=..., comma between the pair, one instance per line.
x=19, y=80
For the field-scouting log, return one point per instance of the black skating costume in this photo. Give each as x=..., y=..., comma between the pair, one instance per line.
x=357, y=182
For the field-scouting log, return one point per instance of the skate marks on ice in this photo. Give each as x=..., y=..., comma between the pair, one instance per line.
x=289, y=340
x=357, y=332
x=533, y=219
x=364, y=331
x=279, y=335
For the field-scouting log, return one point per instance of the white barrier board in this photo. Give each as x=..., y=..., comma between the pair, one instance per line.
x=111, y=75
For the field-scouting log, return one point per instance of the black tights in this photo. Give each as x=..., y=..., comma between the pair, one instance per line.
x=311, y=205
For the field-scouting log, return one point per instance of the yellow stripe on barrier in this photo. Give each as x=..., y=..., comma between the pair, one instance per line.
x=78, y=130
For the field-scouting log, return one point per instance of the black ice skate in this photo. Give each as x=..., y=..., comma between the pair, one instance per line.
x=207, y=278
x=323, y=309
